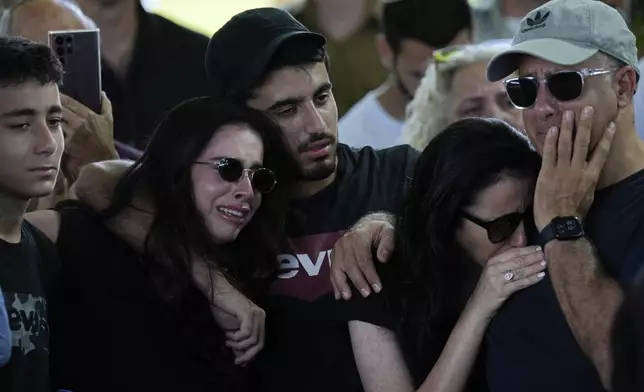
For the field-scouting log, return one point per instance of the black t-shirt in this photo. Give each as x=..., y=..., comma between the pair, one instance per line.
x=113, y=331
x=308, y=347
x=27, y=273
x=530, y=345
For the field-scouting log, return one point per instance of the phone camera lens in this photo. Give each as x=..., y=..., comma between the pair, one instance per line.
x=70, y=50
x=59, y=40
x=62, y=60
x=60, y=51
x=69, y=38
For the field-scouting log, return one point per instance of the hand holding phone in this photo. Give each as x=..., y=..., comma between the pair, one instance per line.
x=80, y=54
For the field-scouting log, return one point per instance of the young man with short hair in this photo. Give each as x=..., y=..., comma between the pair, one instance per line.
x=411, y=31
x=31, y=145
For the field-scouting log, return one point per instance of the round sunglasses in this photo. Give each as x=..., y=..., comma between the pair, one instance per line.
x=501, y=228
x=232, y=170
x=566, y=85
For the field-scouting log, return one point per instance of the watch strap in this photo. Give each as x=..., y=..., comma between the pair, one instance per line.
x=546, y=235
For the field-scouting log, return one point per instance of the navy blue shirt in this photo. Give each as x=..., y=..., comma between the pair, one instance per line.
x=530, y=346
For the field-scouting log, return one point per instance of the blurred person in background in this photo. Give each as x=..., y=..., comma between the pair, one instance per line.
x=351, y=28
x=88, y=135
x=637, y=14
x=411, y=31
x=496, y=19
x=456, y=87
x=150, y=64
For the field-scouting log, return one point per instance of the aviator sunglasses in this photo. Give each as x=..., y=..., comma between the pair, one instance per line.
x=564, y=86
x=502, y=228
x=232, y=170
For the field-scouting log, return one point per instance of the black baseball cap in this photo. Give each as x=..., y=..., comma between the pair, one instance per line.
x=240, y=51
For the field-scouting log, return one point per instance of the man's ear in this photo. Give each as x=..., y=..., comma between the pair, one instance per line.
x=625, y=85
x=385, y=52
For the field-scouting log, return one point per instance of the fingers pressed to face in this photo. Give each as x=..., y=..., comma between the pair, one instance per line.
x=601, y=151
x=514, y=253
x=520, y=262
x=549, y=158
x=582, y=139
x=528, y=281
x=529, y=270
x=564, y=145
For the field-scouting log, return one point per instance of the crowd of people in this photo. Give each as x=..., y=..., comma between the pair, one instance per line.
x=467, y=217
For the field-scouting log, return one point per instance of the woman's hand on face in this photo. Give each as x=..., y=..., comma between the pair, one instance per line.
x=505, y=274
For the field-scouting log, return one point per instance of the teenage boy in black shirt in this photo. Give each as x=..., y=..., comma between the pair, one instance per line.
x=31, y=144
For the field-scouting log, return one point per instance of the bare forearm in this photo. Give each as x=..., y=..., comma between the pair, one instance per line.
x=208, y=280
x=588, y=298
x=451, y=371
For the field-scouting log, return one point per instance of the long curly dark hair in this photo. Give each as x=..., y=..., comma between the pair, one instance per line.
x=430, y=277
x=178, y=233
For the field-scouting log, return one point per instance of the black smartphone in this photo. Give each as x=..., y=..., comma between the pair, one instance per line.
x=80, y=53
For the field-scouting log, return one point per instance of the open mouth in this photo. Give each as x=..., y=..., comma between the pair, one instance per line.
x=234, y=214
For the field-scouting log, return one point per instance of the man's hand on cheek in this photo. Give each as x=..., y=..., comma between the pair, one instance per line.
x=568, y=176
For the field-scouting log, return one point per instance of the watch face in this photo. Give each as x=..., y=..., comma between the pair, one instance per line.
x=567, y=227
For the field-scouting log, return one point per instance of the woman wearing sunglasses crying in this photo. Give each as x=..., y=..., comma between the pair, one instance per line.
x=215, y=180
x=460, y=252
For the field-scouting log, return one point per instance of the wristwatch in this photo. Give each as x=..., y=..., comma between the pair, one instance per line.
x=563, y=228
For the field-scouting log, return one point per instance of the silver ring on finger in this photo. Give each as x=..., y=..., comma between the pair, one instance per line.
x=508, y=276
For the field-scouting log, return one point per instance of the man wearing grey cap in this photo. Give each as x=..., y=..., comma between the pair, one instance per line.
x=577, y=73
x=572, y=56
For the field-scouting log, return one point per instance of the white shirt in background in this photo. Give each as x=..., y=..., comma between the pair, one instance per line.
x=639, y=104
x=368, y=124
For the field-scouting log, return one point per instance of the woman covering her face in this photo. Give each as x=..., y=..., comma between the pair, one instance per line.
x=460, y=252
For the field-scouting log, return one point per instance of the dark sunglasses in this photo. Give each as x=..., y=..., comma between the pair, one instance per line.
x=564, y=86
x=502, y=228
x=232, y=170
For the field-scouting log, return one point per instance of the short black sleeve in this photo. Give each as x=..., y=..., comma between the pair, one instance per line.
x=372, y=310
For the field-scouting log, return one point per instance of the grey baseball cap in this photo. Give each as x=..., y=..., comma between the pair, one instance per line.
x=567, y=32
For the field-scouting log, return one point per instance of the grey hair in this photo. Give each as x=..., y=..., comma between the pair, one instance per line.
x=7, y=8
x=427, y=112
